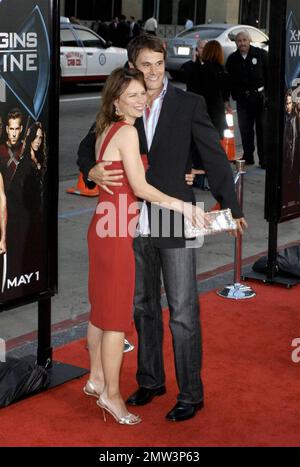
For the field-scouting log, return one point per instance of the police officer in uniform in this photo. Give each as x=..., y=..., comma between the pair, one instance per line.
x=247, y=68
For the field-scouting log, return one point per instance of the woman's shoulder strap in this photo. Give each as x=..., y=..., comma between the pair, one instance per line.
x=113, y=129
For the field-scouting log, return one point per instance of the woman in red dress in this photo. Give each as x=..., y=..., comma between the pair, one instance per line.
x=110, y=238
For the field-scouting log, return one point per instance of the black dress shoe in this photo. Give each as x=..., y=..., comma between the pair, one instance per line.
x=183, y=411
x=145, y=395
x=249, y=160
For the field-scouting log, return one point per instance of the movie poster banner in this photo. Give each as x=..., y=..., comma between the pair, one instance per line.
x=26, y=97
x=290, y=193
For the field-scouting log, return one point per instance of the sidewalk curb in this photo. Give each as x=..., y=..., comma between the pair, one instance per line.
x=81, y=320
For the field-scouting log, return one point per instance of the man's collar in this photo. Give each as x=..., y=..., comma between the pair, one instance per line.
x=165, y=86
x=163, y=91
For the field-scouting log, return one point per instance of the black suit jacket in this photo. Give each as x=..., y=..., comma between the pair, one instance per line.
x=210, y=81
x=183, y=126
x=247, y=75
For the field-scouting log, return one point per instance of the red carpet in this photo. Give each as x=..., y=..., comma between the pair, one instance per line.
x=252, y=387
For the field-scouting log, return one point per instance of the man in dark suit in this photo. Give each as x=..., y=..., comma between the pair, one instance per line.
x=174, y=123
x=122, y=32
x=248, y=71
x=11, y=150
x=135, y=29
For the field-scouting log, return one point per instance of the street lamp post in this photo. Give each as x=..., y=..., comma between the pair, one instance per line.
x=157, y=10
x=195, y=11
x=112, y=8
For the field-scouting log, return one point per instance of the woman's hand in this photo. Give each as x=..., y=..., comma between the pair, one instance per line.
x=241, y=225
x=189, y=178
x=194, y=214
x=2, y=246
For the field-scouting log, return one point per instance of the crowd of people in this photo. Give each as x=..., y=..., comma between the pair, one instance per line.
x=244, y=77
x=121, y=30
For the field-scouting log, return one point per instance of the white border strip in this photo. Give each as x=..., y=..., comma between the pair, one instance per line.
x=81, y=99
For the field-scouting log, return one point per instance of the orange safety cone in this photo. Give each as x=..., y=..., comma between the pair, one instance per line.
x=228, y=142
x=82, y=190
x=216, y=207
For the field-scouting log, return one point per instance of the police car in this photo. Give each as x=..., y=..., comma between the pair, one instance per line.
x=85, y=56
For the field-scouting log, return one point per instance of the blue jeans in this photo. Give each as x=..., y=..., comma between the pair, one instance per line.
x=178, y=266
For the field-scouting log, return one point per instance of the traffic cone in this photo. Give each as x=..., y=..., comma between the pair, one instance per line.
x=215, y=207
x=228, y=142
x=81, y=188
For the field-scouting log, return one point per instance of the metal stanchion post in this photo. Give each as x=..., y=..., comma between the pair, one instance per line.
x=238, y=291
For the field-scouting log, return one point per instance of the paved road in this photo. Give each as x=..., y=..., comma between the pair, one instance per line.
x=77, y=111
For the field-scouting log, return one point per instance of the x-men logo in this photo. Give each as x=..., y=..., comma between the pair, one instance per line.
x=292, y=67
x=295, y=35
x=25, y=61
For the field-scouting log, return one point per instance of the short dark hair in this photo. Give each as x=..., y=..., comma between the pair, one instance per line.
x=144, y=41
x=13, y=114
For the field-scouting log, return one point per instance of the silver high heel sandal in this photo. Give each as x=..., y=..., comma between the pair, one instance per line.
x=90, y=390
x=129, y=419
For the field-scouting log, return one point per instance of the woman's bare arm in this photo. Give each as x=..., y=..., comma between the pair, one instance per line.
x=3, y=217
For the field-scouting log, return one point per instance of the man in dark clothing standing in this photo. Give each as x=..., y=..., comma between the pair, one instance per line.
x=10, y=151
x=122, y=33
x=248, y=70
x=135, y=29
x=113, y=30
x=188, y=67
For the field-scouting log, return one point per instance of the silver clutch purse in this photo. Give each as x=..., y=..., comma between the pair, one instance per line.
x=217, y=221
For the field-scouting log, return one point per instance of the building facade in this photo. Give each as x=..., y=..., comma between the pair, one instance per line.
x=172, y=12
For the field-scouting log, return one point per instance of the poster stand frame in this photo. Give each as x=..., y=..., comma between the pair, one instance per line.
x=274, y=145
x=59, y=372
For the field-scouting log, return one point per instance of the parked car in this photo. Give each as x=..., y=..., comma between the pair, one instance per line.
x=85, y=56
x=181, y=47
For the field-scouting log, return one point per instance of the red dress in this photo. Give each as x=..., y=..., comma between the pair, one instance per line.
x=111, y=256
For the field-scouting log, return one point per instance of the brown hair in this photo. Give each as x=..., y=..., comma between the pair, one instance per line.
x=213, y=52
x=30, y=137
x=116, y=84
x=288, y=93
x=144, y=41
x=15, y=114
